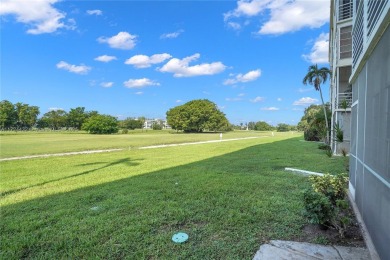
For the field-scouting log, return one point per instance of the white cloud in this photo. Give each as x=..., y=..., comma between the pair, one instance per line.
x=233, y=99
x=319, y=51
x=171, y=35
x=143, y=61
x=105, y=58
x=285, y=15
x=305, y=101
x=139, y=93
x=181, y=68
x=123, y=40
x=140, y=83
x=279, y=99
x=81, y=69
x=257, y=99
x=294, y=15
x=40, y=15
x=250, y=76
x=94, y=12
x=234, y=25
x=270, y=108
x=247, y=8
x=179, y=101
x=107, y=84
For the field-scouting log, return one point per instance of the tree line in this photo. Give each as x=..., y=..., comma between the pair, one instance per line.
x=192, y=117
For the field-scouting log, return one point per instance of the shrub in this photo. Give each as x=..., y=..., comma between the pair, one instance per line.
x=101, y=124
x=329, y=153
x=326, y=204
x=339, y=133
x=125, y=131
x=311, y=134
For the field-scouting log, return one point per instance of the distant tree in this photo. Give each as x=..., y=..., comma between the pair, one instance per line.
x=313, y=123
x=26, y=115
x=283, y=127
x=316, y=77
x=54, y=119
x=157, y=126
x=77, y=117
x=197, y=116
x=8, y=115
x=251, y=126
x=131, y=123
x=101, y=124
x=263, y=126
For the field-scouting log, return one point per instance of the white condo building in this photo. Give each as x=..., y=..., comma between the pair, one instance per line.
x=360, y=95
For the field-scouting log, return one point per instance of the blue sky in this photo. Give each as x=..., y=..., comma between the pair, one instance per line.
x=141, y=58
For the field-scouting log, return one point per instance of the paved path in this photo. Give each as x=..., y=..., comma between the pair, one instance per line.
x=121, y=149
x=289, y=250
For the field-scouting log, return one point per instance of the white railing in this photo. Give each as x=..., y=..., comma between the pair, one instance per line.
x=345, y=10
x=375, y=9
x=344, y=100
x=366, y=23
x=357, y=35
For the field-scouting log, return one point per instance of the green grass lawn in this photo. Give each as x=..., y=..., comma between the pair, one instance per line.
x=31, y=143
x=229, y=197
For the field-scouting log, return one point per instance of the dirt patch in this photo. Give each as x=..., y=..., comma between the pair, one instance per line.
x=314, y=234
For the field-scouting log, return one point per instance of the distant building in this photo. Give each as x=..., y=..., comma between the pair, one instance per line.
x=367, y=74
x=340, y=58
x=148, y=124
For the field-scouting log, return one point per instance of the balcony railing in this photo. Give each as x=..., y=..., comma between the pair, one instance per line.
x=344, y=100
x=368, y=15
x=345, y=10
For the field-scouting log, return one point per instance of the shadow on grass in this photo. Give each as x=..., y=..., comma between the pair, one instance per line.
x=227, y=204
x=126, y=161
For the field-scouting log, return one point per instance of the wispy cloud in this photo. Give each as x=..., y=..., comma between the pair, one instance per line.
x=279, y=99
x=41, y=15
x=319, y=51
x=107, y=84
x=171, y=35
x=305, y=101
x=143, y=61
x=105, y=58
x=80, y=69
x=94, y=12
x=140, y=83
x=181, y=67
x=242, y=78
x=270, y=108
x=257, y=99
x=123, y=40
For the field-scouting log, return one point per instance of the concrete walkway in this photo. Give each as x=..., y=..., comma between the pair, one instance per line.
x=289, y=250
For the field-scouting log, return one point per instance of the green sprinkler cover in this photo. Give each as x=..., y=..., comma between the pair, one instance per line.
x=180, y=237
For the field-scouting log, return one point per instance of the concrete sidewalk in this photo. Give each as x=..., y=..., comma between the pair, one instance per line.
x=289, y=250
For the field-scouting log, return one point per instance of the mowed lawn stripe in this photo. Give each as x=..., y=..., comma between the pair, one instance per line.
x=228, y=196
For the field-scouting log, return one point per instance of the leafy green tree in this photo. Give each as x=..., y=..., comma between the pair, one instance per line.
x=313, y=123
x=251, y=125
x=316, y=77
x=77, y=117
x=101, y=124
x=26, y=115
x=283, y=127
x=8, y=115
x=131, y=123
x=197, y=116
x=263, y=126
x=55, y=119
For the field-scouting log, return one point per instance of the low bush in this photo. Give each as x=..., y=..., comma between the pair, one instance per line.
x=326, y=202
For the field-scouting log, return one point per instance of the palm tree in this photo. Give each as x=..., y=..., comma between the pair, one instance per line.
x=316, y=77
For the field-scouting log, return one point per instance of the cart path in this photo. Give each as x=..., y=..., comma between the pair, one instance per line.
x=120, y=149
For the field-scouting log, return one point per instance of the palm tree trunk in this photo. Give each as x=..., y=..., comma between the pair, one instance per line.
x=326, y=117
